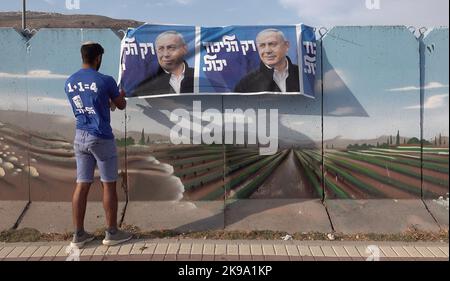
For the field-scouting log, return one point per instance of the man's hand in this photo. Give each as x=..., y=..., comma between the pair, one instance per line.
x=120, y=101
x=112, y=105
x=122, y=92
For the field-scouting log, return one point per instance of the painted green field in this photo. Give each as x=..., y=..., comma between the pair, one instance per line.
x=379, y=173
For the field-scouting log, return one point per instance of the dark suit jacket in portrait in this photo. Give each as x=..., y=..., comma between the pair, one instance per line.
x=261, y=80
x=160, y=83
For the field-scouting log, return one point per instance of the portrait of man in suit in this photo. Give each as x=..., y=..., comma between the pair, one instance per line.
x=174, y=76
x=276, y=72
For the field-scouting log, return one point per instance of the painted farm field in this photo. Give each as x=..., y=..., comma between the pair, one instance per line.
x=216, y=172
x=393, y=172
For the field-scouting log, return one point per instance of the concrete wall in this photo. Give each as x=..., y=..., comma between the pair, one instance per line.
x=368, y=118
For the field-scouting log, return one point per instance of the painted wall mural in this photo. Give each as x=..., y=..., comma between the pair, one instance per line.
x=359, y=139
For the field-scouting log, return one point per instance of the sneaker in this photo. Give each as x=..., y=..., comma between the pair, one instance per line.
x=79, y=240
x=118, y=237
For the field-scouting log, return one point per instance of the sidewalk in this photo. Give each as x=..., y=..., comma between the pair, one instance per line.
x=226, y=250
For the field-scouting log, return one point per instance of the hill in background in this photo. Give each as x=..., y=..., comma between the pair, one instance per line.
x=36, y=20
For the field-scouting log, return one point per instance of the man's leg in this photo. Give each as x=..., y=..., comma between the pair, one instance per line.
x=105, y=153
x=79, y=201
x=85, y=177
x=113, y=235
x=110, y=204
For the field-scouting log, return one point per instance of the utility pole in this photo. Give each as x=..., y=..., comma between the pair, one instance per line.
x=24, y=11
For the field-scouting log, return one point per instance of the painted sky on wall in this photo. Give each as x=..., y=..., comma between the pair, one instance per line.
x=44, y=78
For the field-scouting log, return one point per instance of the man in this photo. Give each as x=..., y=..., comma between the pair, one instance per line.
x=90, y=94
x=276, y=72
x=174, y=76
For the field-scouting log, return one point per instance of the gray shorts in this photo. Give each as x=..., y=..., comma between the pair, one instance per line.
x=91, y=150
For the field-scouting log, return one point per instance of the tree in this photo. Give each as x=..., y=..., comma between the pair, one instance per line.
x=413, y=141
x=142, y=140
x=440, y=139
x=148, y=139
x=378, y=144
x=125, y=142
x=397, y=140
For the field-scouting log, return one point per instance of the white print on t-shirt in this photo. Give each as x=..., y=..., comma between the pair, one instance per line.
x=80, y=107
x=81, y=87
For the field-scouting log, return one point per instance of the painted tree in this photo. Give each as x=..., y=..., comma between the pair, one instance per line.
x=414, y=141
x=142, y=140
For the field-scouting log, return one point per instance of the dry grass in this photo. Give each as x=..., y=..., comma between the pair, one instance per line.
x=412, y=235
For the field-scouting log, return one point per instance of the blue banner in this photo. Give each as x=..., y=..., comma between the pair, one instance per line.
x=164, y=60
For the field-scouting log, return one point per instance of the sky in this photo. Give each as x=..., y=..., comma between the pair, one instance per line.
x=217, y=13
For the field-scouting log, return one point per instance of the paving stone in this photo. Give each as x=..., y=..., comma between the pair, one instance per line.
x=445, y=250
x=352, y=251
x=149, y=249
x=304, y=251
x=220, y=250
x=316, y=251
x=125, y=249
x=15, y=253
x=28, y=252
x=244, y=250
x=53, y=251
x=292, y=251
x=173, y=248
x=137, y=248
x=208, y=249
x=328, y=251
x=436, y=252
x=161, y=249
x=425, y=252
x=233, y=249
x=340, y=251
x=400, y=251
x=185, y=249
x=412, y=252
x=280, y=250
x=197, y=249
x=5, y=251
x=40, y=252
x=268, y=250
x=388, y=252
x=256, y=250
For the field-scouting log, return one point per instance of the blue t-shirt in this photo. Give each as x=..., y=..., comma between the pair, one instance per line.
x=89, y=92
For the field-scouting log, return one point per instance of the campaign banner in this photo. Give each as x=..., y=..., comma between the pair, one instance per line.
x=167, y=60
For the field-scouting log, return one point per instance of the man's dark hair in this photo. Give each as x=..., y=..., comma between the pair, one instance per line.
x=90, y=51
